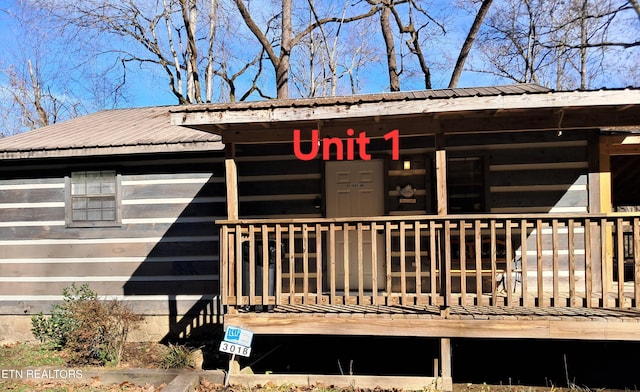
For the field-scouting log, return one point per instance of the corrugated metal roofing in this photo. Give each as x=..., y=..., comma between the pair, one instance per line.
x=142, y=130
x=111, y=130
x=516, y=89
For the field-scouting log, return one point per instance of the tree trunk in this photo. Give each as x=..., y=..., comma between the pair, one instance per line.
x=392, y=65
x=583, y=45
x=211, y=36
x=636, y=6
x=37, y=97
x=190, y=19
x=282, y=70
x=468, y=42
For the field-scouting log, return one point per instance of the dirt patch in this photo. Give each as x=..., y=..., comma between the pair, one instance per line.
x=145, y=355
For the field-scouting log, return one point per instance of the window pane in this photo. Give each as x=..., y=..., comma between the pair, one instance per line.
x=109, y=215
x=93, y=188
x=79, y=203
x=78, y=188
x=94, y=215
x=107, y=188
x=79, y=215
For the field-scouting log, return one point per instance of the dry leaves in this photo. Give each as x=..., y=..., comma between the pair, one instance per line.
x=93, y=386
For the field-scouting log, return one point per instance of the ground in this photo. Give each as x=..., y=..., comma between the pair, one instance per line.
x=150, y=355
x=143, y=355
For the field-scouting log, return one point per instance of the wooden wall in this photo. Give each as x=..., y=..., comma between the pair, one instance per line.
x=273, y=183
x=163, y=257
x=524, y=172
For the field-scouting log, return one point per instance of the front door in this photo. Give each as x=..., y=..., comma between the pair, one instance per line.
x=356, y=189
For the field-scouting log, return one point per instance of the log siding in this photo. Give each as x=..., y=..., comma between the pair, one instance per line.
x=166, y=245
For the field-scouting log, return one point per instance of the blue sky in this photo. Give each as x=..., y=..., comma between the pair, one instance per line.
x=146, y=86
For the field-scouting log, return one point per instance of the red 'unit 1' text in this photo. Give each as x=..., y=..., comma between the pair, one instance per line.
x=350, y=144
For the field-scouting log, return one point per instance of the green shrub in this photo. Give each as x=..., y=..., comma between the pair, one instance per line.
x=55, y=329
x=92, y=331
x=177, y=357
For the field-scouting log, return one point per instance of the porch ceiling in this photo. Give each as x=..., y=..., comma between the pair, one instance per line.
x=415, y=114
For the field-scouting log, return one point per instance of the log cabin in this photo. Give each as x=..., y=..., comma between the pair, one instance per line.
x=120, y=200
x=496, y=212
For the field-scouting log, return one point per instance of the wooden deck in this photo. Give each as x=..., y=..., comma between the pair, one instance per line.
x=439, y=322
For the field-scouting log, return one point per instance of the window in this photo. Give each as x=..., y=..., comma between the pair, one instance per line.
x=465, y=185
x=94, y=199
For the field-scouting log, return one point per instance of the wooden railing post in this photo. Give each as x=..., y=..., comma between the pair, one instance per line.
x=555, y=263
x=279, y=260
x=636, y=262
x=446, y=277
x=238, y=264
x=588, y=272
x=403, y=268
x=572, y=262
x=318, y=232
x=524, y=289
x=619, y=230
x=224, y=264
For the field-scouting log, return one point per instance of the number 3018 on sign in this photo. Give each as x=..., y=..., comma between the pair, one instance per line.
x=233, y=348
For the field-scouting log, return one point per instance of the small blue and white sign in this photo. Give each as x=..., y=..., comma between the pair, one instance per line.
x=237, y=341
x=239, y=336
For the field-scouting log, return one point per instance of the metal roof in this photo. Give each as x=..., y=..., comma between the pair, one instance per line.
x=118, y=131
x=515, y=89
x=175, y=128
x=446, y=111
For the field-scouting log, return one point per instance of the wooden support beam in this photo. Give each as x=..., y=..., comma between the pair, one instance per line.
x=445, y=357
x=441, y=175
x=604, y=163
x=606, y=237
x=231, y=180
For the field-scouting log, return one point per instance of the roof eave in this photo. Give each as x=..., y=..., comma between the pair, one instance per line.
x=111, y=150
x=227, y=120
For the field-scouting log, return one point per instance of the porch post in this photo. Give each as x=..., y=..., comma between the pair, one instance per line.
x=441, y=192
x=231, y=180
x=601, y=165
x=445, y=357
x=441, y=174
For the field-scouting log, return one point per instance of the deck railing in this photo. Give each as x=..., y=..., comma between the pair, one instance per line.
x=532, y=260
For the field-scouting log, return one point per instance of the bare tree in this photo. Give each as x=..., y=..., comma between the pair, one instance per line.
x=163, y=33
x=330, y=49
x=33, y=90
x=287, y=40
x=29, y=102
x=468, y=42
x=418, y=19
x=563, y=44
